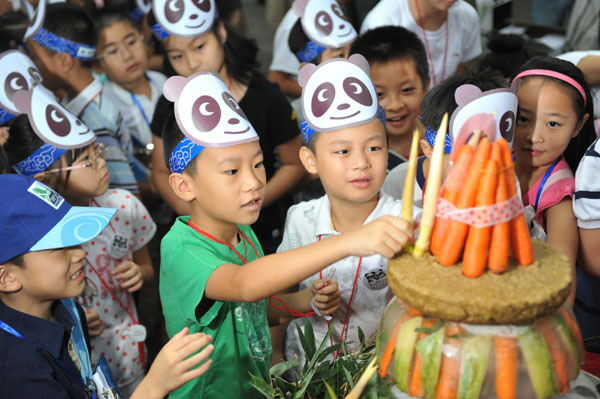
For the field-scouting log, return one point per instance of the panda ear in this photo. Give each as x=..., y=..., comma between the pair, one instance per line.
x=22, y=100
x=466, y=93
x=299, y=6
x=173, y=87
x=305, y=73
x=361, y=62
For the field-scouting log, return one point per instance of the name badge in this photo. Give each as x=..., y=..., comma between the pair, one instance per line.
x=137, y=332
x=118, y=247
x=376, y=279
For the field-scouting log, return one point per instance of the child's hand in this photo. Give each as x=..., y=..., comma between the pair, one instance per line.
x=129, y=276
x=172, y=368
x=385, y=236
x=94, y=323
x=326, y=297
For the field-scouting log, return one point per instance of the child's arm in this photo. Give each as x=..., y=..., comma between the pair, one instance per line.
x=274, y=273
x=94, y=323
x=562, y=235
x=132, y=275
x=172, y=368
x=589, y=251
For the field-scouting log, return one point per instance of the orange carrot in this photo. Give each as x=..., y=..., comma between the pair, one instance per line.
x=559, y=360
x=416, y=387
x=478, y=240
x=449, y=378
x=506, y=367
x=454, y=241
x=569, y=318
x=519, y=233
x=500, y=244
x=388, y=353
x=450, y=192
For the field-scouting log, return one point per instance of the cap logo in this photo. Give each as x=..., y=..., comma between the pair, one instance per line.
x=46, y=194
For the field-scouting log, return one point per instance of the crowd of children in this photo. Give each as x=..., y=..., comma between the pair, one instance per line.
x=143, y=147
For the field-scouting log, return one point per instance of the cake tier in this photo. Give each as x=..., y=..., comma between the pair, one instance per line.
x=520, y=295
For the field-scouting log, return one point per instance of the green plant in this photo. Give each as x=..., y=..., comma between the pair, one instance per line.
x=320, y=376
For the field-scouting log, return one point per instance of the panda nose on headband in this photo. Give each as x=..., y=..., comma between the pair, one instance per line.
x=193, y=16
x=343, y=106
x=233, y=121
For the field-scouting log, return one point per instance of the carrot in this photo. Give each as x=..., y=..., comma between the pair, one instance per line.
x=519, y=233
x=388, y=352
x=454, y=241
x=569, y=318
x=478, y=240
x=506, y=367
x=546, y=328
x=450, y=192
x=500, y=244
x=416, y=387
x=449, y=378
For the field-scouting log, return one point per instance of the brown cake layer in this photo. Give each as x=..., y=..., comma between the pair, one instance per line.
x=517, y=296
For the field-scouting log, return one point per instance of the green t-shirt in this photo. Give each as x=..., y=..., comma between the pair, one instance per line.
x=240, y=330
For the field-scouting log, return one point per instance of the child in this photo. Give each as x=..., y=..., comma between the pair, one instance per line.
x=63, y=49
x=349, y=154
x=449, y=30
x=117, y=261
x=401, y=76
x=553, y=131
x=213, y=275
x=43, y=341
x=123, y=56
x=284, y=65
x=437, y=102
x=215, y=46
x=310, y=43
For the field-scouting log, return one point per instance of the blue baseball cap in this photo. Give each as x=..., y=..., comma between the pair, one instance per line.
x=36, y=218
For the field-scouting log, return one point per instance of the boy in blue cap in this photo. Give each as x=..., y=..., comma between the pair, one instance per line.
x=43, y=334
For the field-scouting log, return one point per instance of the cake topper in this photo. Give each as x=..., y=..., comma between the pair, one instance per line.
x=183, y=17
x=338, y=93
x=324, y=22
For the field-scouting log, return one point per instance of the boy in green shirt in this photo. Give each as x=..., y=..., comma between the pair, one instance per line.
x=216, y=164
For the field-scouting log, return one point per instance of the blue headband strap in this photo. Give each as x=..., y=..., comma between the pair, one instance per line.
x=183, y=154
x=307, y=131
x=310, y=52
x=430, y=135
x=136, y=14
x=59, y=44
x=5, y=116
x=39, y=161
x=159, y=32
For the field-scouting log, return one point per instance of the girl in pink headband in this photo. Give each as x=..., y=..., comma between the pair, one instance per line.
x=554, y=129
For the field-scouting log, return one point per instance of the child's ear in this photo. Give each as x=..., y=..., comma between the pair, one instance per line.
x=308, y=160
x=180, y=184
x=580, y=125
x=65, y=62
x=222, y=33
x=49, y=179
x=8, y=282
x=426, y=148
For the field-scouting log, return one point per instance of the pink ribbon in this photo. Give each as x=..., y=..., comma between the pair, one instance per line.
x=482, y=216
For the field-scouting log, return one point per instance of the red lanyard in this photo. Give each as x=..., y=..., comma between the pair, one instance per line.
x=429, y=57
x=347, y=316
x=285, y=307
x=88, y=103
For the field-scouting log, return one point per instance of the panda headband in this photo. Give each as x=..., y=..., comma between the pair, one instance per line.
x=183, y=17
x=325, y=24
x=58, y=128
x=207, y=115
x=338, y=93
x=17, y=72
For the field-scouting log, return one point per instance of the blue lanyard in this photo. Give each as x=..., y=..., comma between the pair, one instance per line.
x=543, y=182
x=80, y=346
x=139, y=105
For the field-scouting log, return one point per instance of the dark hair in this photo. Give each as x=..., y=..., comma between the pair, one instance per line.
x=23, y=141
x=12, y=29
x=108, y=17
x=18, y=260
x=239, y=51
x=391, y=43
x=297, y=41
x=509, y=52
x=579, y=144
x=171, y=136
x=440, y=99
x=73, y=23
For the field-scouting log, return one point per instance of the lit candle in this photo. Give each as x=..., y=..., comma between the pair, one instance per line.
x=432, y=190
x=409, y=183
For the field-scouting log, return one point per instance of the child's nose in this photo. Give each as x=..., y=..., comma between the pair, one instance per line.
x=360, y=160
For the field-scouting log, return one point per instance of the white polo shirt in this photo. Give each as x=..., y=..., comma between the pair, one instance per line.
x=283, y=58
x=305, y=223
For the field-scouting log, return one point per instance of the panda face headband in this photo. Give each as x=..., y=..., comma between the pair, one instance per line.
x=57, y=127
x=208, y=116
x=325, y=24
x=17, y=72
x=183, y=17
x=338, y=93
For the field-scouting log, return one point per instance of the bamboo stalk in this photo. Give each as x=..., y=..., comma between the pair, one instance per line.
x=363, y=380
x=409, y=183
x=432, y=191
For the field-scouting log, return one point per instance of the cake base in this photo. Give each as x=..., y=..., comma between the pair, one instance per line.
x=520, y=295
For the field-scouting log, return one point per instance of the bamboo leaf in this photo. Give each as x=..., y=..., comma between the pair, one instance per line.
x=262, y=386
x=309, y=334
x=330, y=391
x=282, y=367
x=306, y=382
